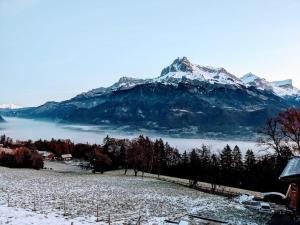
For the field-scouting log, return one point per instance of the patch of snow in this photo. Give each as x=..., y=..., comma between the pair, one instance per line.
x=184, y=222
x=17, y=216
x=181, y=110
x=244, y=198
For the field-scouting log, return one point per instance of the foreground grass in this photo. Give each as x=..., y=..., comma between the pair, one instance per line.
x=69, y=190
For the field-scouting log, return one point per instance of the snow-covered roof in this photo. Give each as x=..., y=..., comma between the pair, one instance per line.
x=291, y=172
x=66, y=156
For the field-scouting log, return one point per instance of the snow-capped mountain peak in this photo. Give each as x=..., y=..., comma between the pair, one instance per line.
x=122, y=84
x=183, y=68
x=285, y=88
x=251, y=79
x=283, y=83
x=280, y=88
x=9, y=106
x=180, y=65
x=126, y=82
x=180, y=70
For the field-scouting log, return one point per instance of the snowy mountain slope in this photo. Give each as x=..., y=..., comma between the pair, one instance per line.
x=251, y=79
x=282, y=88
x=122, y=84
x=283, y=83
x=182, y=108
x=285, y=88
x=182, y=68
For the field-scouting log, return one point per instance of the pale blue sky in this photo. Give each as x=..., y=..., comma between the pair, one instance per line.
x=55, y=49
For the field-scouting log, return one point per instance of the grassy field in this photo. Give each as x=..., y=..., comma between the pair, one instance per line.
x=72, y=194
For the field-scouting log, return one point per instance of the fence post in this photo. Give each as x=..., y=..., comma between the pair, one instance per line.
x=34, y=206
x=65, y=213
x=8, y=198
x=109, y=222
x=139, y=221
x=97, y=220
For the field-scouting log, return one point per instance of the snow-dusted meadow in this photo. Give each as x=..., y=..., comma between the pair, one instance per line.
x=69, y=190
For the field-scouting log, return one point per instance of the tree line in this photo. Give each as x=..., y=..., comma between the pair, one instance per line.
x=21, y=157
x=229, y=167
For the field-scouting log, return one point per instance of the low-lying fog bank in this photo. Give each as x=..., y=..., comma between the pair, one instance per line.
x=24, y=129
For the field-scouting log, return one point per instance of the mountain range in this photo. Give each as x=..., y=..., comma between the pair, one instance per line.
x=184, y=99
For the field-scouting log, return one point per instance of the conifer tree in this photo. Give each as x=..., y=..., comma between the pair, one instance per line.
x=237, y=165
x=226, y=165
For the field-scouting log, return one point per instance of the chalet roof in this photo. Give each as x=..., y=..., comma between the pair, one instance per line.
x=291, y=172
